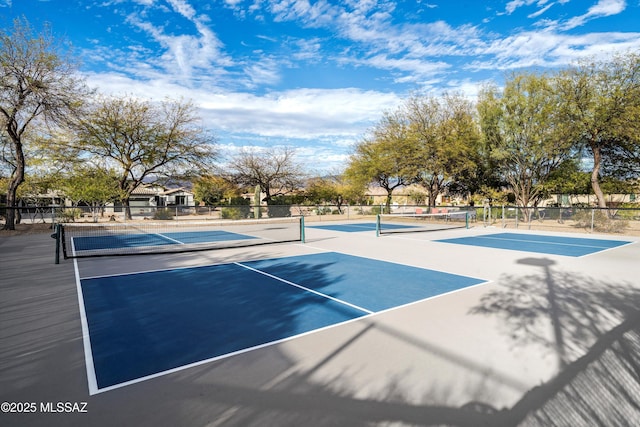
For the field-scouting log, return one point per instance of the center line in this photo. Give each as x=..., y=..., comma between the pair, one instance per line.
x=364, y=310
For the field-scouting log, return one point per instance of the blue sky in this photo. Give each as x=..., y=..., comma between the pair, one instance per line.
x=317, y=74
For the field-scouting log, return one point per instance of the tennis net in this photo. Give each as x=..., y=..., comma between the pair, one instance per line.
x=415, y=222
x=79, y=240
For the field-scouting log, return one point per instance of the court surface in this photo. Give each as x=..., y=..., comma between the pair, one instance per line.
x=544, y=244
x=154, y=239
x=345, y=329
x=347, y=228
x=358, y=227
x=143, y=324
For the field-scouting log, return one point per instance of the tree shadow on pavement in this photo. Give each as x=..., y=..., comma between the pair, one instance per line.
x=592, y=327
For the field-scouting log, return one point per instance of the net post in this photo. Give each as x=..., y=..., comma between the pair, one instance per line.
x=466, y=220
x=378, y=225
x=56, y=236
x=302, y=236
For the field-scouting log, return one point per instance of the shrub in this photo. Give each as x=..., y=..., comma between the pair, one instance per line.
x=163, y=215
x=280, y=207
x=375, y=210
x=601, y=221
x=323, y=210
x=68, y=215
x=239, y=212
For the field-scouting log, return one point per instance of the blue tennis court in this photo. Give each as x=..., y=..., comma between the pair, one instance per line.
x=145, y=324
x=554, y=245
x=356, y=227
x=154, y=239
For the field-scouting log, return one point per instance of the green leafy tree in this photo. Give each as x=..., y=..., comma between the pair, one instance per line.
x=214, y=190
x=569, y=179
x=38, y=84
x=528, y=139
x=448, y=139
x=489, y=113
x=389, y=158
x=94, y=186
x=37, y=191
x=334, y=190
x=601, y=100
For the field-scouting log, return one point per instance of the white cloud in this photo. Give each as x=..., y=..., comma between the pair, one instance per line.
x=183, y=8
x=185, y=52
x=601, y=9
x=145, y=2
x=410, y=51
x=607, y=7
x=514, y=4
x=416, y=69
x=308, y=50
x=430, y=56
x=262, y=72
x=302, y=113
x=544, y=5
x=540, y=12
x=550, y=49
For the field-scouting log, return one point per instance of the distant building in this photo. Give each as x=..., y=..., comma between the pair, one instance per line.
x=147, y=198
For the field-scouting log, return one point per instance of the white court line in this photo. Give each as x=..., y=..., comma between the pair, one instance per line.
x=86, y=337
x=162, y=236
x=222, y=356
x=91, y=375
x=364, y=310
x=544, y=242
x=95, y=390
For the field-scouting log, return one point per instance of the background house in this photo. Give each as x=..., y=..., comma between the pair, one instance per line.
x=146, y=199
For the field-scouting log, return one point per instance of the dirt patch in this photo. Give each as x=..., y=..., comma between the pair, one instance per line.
x=26, y=229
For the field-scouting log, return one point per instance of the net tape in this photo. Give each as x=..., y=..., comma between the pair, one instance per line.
x=416, y=222
x=79, y=240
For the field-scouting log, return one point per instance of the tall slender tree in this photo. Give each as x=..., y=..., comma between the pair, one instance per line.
x=38, y=85
x=601, y=100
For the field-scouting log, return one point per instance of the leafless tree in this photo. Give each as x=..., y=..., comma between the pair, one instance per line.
x=144, y=141
x=275, y=171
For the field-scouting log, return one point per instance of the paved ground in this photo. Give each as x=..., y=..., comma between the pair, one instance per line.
x=549, y=340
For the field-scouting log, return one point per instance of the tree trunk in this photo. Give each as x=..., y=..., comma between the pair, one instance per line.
x=595, y=173
x=432, y=198
x=432, y=193
x=387, y=206
x=127, y=209
x=18, y=178
x=256, y=202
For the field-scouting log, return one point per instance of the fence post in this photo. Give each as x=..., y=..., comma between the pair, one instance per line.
x=593, y=216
